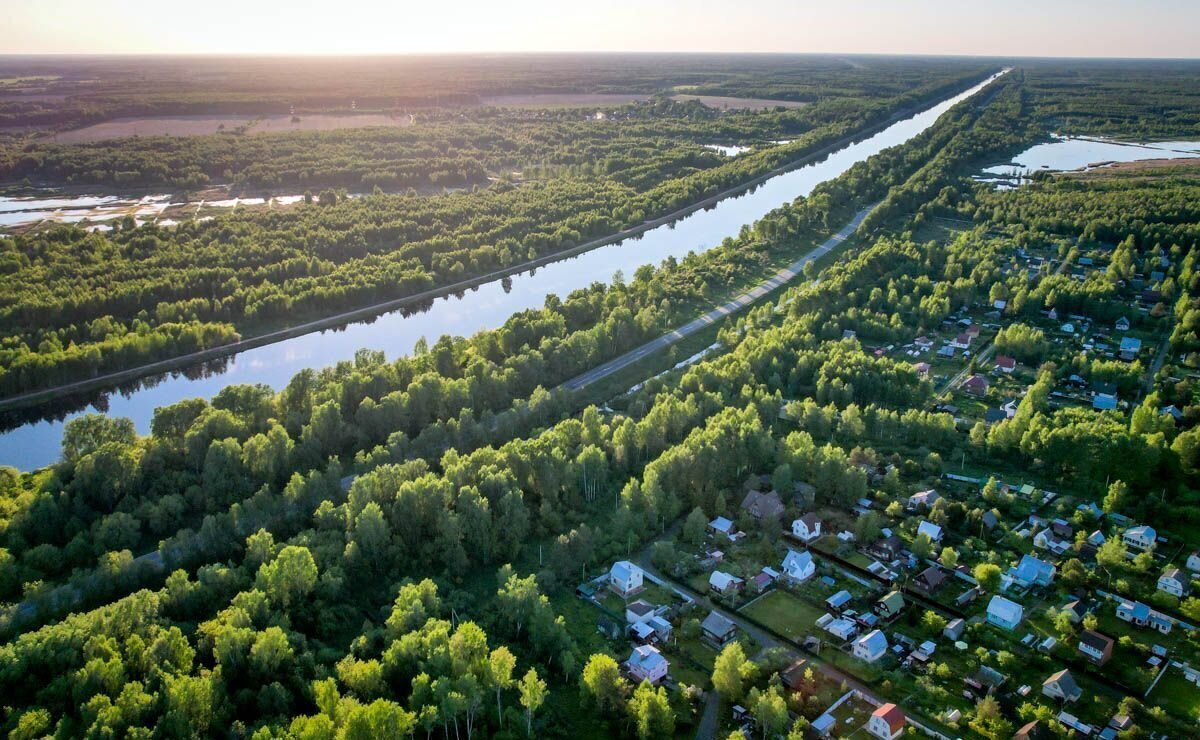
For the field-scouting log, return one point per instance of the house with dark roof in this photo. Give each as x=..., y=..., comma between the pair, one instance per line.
x=1175, y=582
x=1062, y=686
x=1095, y=646
x=763, y=506
x=889, y=606
x=807, y=528
x=930, y=580
x=717, y=630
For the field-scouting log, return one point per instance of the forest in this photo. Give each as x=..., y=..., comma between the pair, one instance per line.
x=385, y=548
x=133, y=295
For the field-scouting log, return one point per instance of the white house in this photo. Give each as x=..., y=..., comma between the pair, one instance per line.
x=887, y=722
x=1004, y=613
x=931, y=530
x=1174, y=582
x=807, y=528
x=1141, y=537
x=646, y=663
x=625, y=578
x=799, y=566
x=724, y=583
x=1062, y=686
x=923, y=500
x=639, y=611
x=871, y=646
x=1193, y=562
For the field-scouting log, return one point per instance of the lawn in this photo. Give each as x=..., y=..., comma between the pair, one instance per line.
x=784, y=613
x=1177, y=695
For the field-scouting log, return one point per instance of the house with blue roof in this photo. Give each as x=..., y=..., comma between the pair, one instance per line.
x=1032, y=572
x=871, y=646
x=1004, y=613
x=1131, y=347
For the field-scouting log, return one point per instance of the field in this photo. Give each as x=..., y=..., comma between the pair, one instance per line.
x=120, y=128
x=562, y=100
x=722, y=102
x=784, y=613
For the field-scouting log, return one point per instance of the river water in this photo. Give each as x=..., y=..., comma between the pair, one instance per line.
x=37, y=442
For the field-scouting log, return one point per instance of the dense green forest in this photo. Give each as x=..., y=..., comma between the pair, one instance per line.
x=433, y=592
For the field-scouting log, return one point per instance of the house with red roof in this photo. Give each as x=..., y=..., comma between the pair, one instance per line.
x=976, y=385
x=887, y=722
x=1005, y=364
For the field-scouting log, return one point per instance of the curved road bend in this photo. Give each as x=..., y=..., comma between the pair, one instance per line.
x=733, y=305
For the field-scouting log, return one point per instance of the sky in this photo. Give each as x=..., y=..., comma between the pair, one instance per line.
x=1107, y=28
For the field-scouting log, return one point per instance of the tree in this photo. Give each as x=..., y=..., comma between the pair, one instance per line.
x=1116, y=496
x=501, y=663
x=651, y=712
x=270, y=651
x=289, y=577
x=988, y=576
x=602, y=682
x=770, y=711
x=729, y=671
x=1111, y=554
x=949, y=558
x=933, y=621
x=85, y=434
x=695, y=526
x=533, y=694
x=922, y=546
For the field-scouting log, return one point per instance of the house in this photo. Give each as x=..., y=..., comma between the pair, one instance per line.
x=838, y=601
x=1134, y=612
x=954, y=629
x=946, y=351
x=625, y=578
x=639, y=611
x=871, y=646
x=889, y=606
x=1193, y=562
x=1062, y=686
x=1030, y=731
x=725, y=583
x=994, y=415
x=962, y=341
x=887, y=548
x=999, y=304
x=1141, y=537
x=977, y=385
x=1174, y=582
x=887, y=722
x=1095, y=646
x=1131, y=347
x=1122, y=324
x=763, y=506
x=646, y=663
x=722, y=525
x=1009, y=407
x=922, y=369
x=807, y=528
x=1033, y=572
x=1005, y=364
x=1004, y=613
x=930, y=530
x=717, y=630
x=923, y=500
x=843, y=629
x=930, y=579
x=761, y=582
x=795, y=677
x=798, y=566
x=990, y=520
x=1075, y=610
x=1104, y=403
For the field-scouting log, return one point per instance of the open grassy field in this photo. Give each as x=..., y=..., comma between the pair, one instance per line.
x=784, y=613
x=121, y=128
x=722, y=102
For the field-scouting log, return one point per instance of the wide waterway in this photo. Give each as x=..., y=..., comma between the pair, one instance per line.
x=37, y=443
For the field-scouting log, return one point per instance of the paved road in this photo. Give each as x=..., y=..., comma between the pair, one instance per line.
x=733, y=305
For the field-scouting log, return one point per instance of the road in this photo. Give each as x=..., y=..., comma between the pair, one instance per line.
x=733, y=305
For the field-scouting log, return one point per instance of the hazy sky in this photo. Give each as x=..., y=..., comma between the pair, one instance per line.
x=1132, y=28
